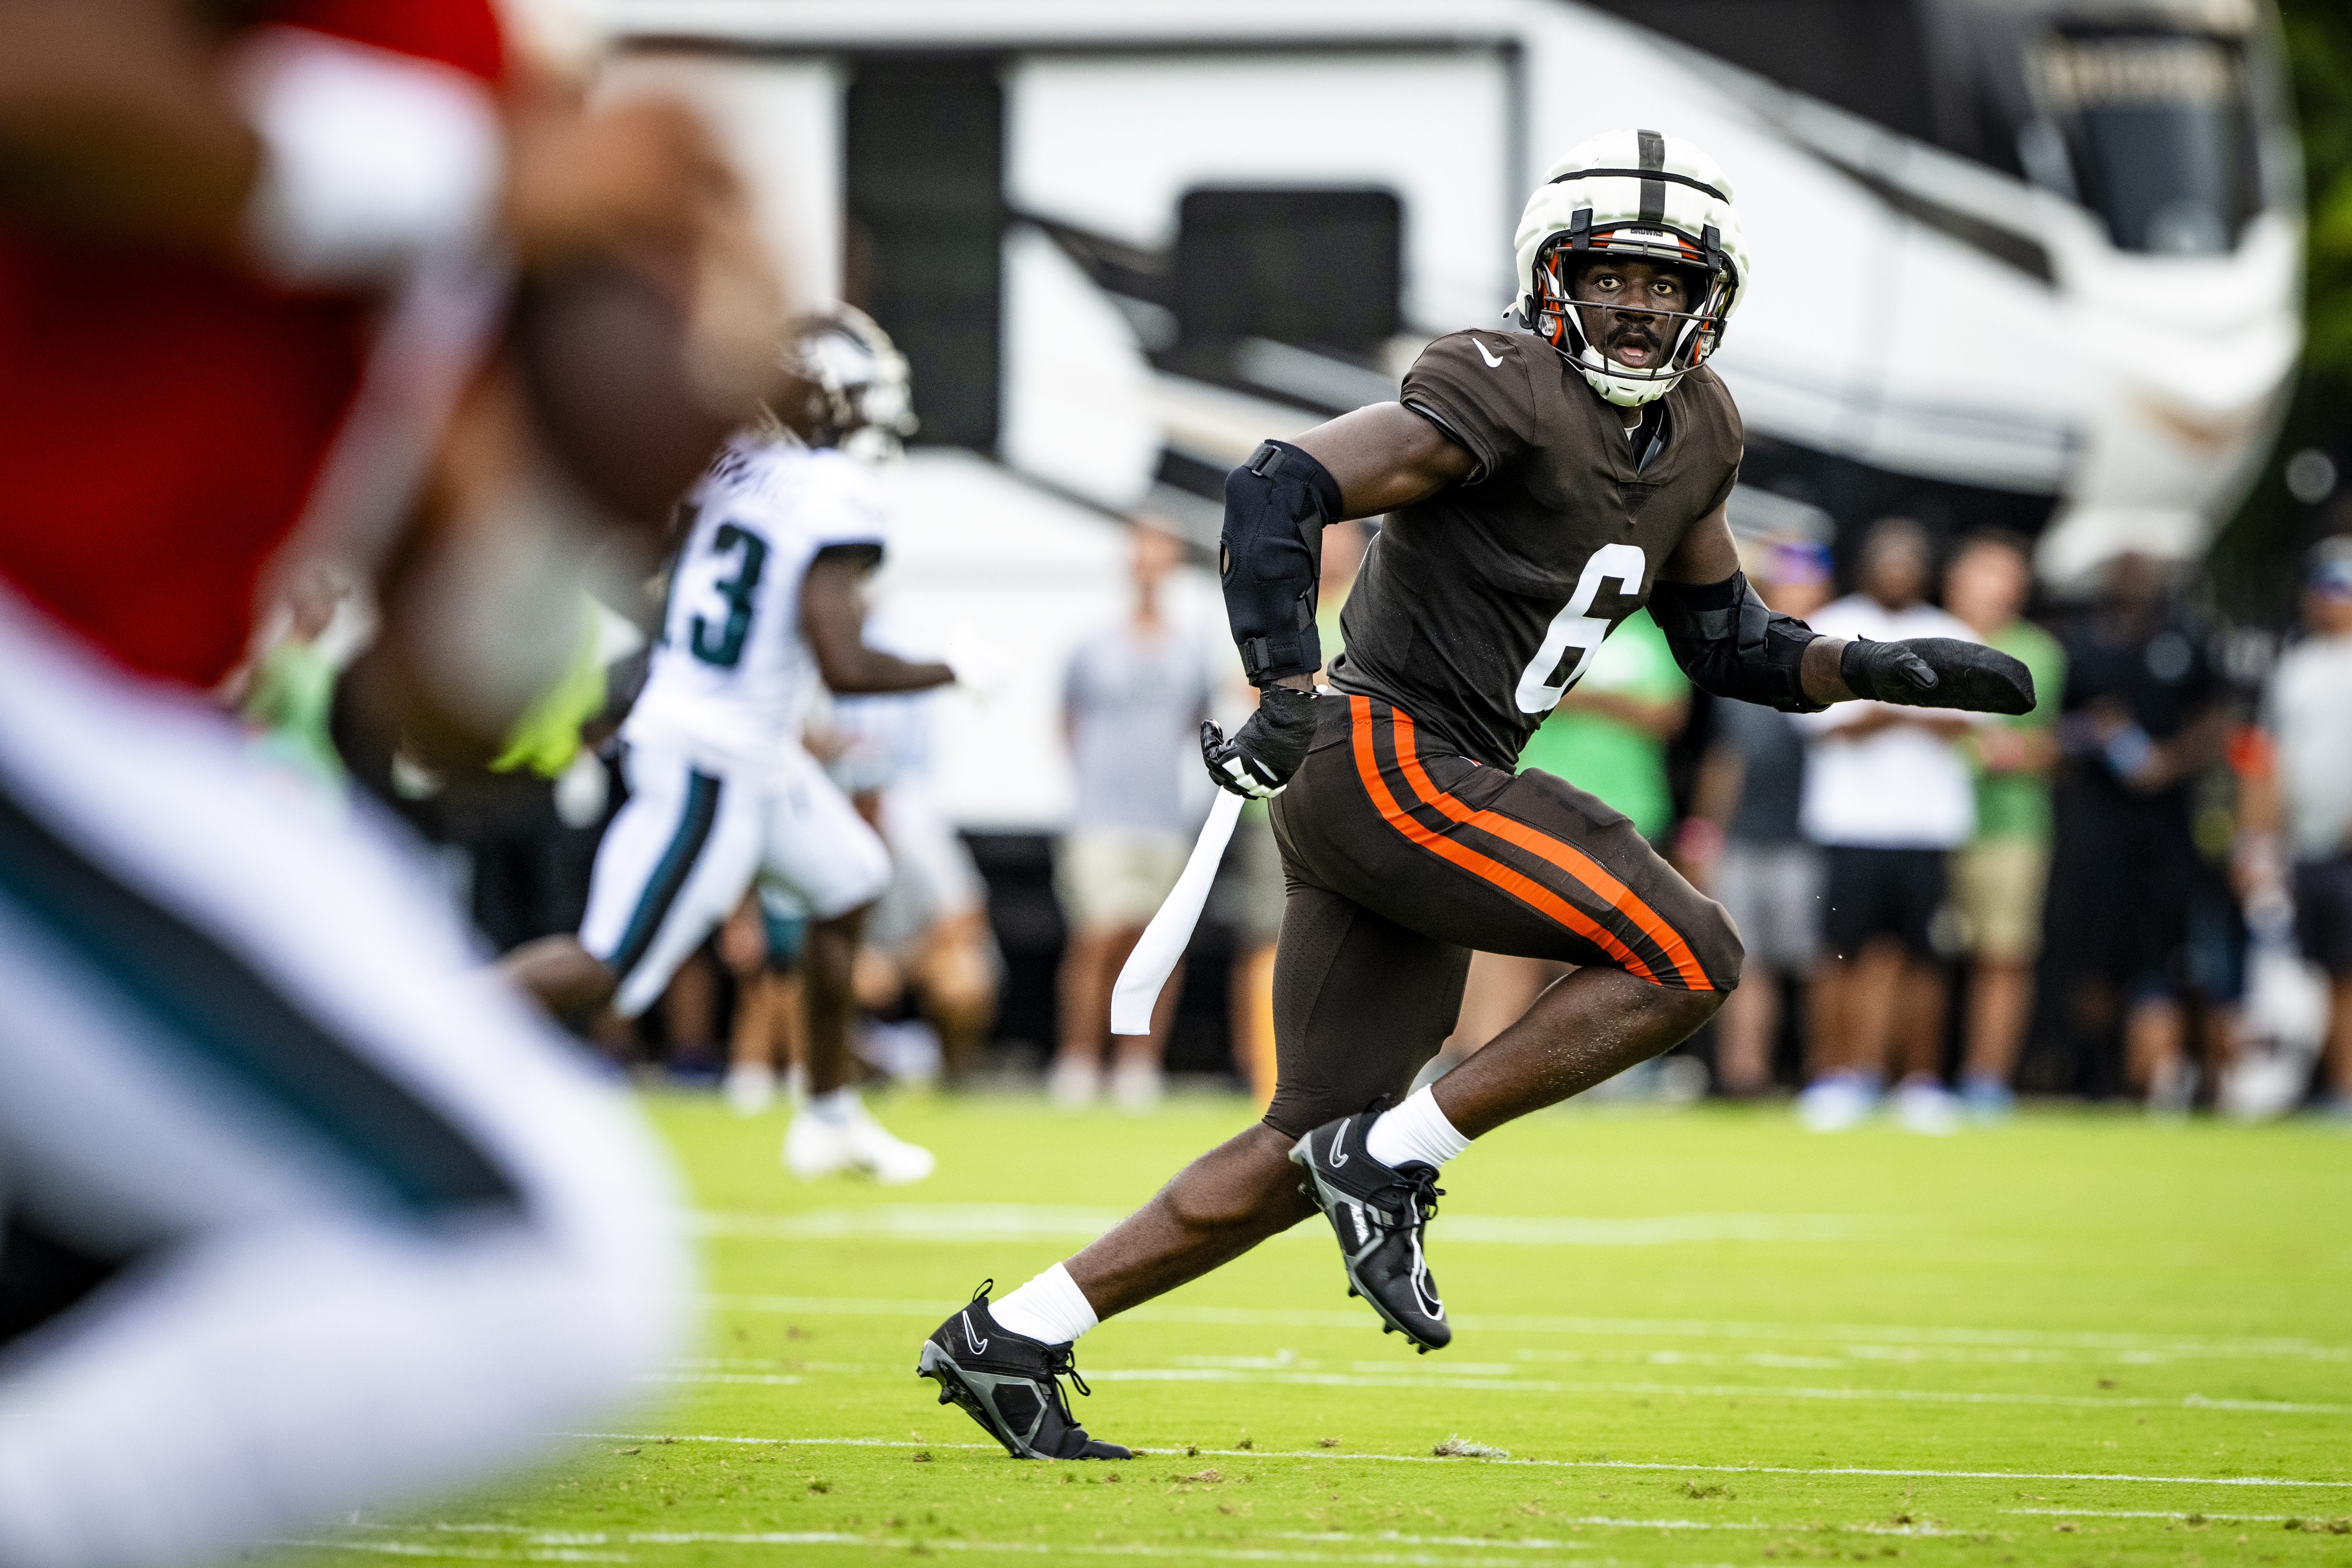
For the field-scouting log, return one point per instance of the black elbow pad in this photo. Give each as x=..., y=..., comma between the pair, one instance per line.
x=1277, y=504
x=1729, y=644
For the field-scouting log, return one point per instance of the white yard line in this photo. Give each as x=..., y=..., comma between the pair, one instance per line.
x=965, y=1222
x=2151, y=1513
x=427, y=1548
x=1393, y=1538
x=1482, y=1375
x=1335, y=1456
x=1660, y=1328
x=536, y=1545
x=1703, y=1390
x=929, y=1543
x=1614, y=1521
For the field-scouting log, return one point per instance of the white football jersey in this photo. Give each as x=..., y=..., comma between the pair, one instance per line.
x=731, y=668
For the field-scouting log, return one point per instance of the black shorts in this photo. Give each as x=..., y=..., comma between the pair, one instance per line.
x=2123, y=875
x=2322, y=912
x=1398, y=864
x=1880, y=893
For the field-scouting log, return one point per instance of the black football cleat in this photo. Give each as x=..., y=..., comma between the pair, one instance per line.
x=1378, y=1214
x=1011, y=1386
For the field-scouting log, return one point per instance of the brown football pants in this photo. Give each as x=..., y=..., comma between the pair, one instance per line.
x=1400, y=863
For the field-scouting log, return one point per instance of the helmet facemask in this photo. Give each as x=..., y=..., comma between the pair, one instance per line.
x=1689, y=336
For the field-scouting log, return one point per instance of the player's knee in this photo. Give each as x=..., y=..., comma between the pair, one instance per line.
x=1714, y=938
x=868, y=873
x=628, y=1276
x=598, y=1239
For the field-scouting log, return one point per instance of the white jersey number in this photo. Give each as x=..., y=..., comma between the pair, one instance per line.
x=1576, y=630
x=720, y=643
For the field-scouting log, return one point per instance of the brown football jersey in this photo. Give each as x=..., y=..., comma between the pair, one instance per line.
x=1478, y=607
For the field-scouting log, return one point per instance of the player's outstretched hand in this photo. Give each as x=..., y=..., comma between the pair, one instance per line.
x=1268, y=747
x=1937, y=672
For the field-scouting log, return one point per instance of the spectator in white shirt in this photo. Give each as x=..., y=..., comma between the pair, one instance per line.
x=1887, y=794
x=2308, y=714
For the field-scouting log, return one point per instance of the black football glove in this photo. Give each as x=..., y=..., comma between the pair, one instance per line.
x=1937, y=672
x=1268, y=747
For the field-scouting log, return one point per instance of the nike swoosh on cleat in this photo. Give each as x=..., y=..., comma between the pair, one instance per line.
x=1430, y=1304
x=1337, y=1156
x=979, y=1346
x=1492, y=362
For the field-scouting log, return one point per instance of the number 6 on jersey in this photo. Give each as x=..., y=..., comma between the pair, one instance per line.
x=1577, y=630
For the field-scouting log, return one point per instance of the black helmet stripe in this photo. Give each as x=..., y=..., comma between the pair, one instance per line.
x=1654, y=192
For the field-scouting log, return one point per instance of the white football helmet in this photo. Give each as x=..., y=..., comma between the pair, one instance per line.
x=1635, y=193
x=850, y=384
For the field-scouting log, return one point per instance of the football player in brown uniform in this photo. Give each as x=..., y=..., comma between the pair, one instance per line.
x=1540, y=485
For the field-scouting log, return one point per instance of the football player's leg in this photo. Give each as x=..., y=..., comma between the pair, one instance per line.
x=1655, y=956
x=822, y=852
x=300, y=1232
x=670, y=870
x=1525, y=864
x=1360, y=1003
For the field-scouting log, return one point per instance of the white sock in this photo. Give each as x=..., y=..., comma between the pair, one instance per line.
x=1415, y=1131
x=1049, y=1309
x=836, y=1107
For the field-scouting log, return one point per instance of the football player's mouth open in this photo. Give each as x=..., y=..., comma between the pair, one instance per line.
x=1633, y=345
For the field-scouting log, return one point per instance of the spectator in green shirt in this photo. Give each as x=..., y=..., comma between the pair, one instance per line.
x=1608, y=734
x=1999, y=876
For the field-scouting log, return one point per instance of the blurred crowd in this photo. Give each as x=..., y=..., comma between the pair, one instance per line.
x=2137, y=889
x=2141, y=890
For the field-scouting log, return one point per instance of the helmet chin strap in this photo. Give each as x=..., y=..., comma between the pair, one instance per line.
x=1623, y=390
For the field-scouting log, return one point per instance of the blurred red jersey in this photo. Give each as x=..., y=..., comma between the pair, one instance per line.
x=164, y=419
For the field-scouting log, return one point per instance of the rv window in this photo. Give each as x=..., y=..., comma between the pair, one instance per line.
x=1320, y=268
x=2157, y=129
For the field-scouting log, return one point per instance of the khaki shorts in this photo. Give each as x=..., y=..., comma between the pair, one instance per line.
x=1111, y=877
x=1997, y=887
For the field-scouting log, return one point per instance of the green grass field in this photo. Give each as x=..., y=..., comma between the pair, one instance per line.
x=1702, y=1338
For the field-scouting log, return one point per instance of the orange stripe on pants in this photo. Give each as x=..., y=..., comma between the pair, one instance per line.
x=1518, y=884
x=1568, y=857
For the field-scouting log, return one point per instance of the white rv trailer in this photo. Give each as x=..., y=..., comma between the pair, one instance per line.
x=2021, y=262
x=2043, y=249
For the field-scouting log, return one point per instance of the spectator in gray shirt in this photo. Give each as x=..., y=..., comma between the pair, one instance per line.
x=1743, y=837
x=1132, y=702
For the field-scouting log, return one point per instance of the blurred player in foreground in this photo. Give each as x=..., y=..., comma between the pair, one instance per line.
x=779, y=536
x=297, y=1212
x=1540, y=485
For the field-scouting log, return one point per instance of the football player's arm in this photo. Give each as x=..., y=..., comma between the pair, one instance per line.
x=832, y=617
x=1276, y=506
x=116, y=116
x=1385, y=456
x=1729, y=643
x=148, y=122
